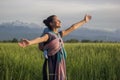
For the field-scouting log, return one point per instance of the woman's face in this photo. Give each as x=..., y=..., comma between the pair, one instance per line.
x=56, y=22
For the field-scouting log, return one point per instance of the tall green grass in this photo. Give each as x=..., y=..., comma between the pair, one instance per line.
x=85, y=61
x=20, y=63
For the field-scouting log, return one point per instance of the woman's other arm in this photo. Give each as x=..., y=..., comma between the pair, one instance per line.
x=26, y=42
x=76, y=25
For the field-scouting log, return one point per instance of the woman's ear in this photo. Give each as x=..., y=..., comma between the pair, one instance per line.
x=51, y=24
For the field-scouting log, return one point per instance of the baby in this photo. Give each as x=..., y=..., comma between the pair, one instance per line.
x=45, y=51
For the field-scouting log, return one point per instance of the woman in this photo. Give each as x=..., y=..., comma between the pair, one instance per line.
x=56, y=60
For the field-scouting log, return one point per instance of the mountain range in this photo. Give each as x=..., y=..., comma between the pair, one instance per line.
x=19, y=30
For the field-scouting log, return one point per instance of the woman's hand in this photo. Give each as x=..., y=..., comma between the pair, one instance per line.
x=87, y=18
x=24, y=43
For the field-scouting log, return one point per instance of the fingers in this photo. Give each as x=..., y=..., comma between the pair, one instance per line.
x=90, y=17
x=23, y=43
x=87, y=18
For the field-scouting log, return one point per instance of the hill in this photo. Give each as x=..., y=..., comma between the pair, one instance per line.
x=19, y=30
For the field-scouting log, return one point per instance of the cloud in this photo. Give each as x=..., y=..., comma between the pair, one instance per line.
x=70, y=11
x=36, y=7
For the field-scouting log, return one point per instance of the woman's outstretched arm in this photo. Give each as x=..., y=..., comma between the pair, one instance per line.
x=76, y=25
x=26, y=42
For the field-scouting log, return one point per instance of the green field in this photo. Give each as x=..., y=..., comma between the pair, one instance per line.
x=85, y=61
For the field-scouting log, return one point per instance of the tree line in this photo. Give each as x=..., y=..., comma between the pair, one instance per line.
x=15, y=40
x=87, y=41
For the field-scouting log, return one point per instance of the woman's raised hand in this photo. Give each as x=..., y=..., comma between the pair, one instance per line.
x=87, y=18
x=24, y=43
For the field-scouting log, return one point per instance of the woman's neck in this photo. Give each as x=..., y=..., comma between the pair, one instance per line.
x=55, y=30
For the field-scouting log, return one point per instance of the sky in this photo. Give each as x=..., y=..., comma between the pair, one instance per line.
x=105, y=13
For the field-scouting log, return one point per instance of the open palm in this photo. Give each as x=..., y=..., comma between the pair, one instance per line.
x=24, y=43
x=87, y=18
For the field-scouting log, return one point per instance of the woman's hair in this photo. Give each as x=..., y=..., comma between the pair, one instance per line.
x=48, y=20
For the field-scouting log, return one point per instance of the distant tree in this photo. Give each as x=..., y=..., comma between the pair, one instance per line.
x=95, y=41
x=85, y=40
x=101, y=41
x=5, y=41
x=14, y=40
x=72, y=41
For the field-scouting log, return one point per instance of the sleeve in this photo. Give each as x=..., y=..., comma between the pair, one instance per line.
x=50, y=37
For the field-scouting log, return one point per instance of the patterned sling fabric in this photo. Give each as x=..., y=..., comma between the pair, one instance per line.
x=54, y=46
x=54, y=67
